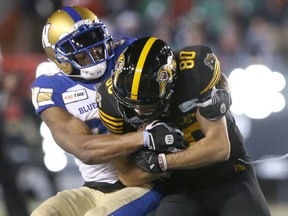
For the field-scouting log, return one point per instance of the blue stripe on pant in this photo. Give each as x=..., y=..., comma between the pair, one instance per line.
x=141, y=206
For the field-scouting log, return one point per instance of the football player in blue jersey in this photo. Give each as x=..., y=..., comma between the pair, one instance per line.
x=85, y=53
x=213, y=176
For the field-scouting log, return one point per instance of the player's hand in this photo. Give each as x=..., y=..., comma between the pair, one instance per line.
x=214, y=104
x=149, y=161
x=161, y=137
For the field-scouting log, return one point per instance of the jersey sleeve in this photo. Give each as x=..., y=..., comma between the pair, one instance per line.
x=108, y=110
x=44, y=93
x=200, y=68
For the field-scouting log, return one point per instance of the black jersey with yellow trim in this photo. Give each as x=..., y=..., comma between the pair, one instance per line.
x=108, y=110
x=198, y=71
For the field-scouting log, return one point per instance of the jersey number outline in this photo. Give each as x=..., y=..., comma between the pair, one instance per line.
x=187, y=59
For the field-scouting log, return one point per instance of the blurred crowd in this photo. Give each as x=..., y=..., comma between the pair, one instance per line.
x=239, y=32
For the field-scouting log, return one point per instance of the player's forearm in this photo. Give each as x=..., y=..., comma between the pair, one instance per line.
x=203, y=153
x=213, y=148
x=103, y=148
x=75, y=137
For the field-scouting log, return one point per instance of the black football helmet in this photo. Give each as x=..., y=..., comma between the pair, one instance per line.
x=143, y=80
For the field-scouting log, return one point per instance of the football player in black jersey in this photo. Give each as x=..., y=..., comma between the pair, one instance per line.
x=185, y=88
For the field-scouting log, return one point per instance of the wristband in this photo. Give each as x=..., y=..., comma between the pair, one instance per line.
x=162, y=162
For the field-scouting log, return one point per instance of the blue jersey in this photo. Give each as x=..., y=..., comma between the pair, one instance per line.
x=78, y=98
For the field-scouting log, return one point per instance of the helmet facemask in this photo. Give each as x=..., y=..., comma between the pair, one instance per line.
x=86, y=49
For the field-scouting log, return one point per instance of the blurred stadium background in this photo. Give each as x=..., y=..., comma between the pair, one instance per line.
x=250, y=37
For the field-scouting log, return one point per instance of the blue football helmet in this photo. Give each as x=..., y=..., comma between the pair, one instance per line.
x=77, y=42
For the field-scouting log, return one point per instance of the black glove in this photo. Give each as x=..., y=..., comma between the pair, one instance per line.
x=149, y=161
x=161, y=137
x=214, y=104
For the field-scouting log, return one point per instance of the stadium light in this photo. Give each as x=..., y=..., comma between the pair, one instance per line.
x=256, y=91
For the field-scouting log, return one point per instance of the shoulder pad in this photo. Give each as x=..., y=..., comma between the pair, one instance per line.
x=200, y=62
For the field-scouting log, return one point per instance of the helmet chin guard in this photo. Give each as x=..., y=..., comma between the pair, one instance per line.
x=93, y=72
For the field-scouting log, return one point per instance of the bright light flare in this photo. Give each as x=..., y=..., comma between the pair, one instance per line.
x=55, y=162
x=54, y=159
x=255, y=91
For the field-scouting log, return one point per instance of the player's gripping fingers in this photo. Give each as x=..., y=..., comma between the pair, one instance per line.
x=149, y=161
x=161, y=137
x=214, y=104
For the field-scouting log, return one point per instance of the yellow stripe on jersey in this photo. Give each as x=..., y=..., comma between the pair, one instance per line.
x=215, y=78
x=111, y=119
x=139, y=68
x=111, y=123
x=113, y=129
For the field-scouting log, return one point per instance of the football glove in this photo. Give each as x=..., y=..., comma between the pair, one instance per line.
x=149, y=161
x=163, y=138
x=214, y=104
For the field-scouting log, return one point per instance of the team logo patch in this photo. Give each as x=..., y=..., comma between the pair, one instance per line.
x=239, y=167
x=45, y=40
x=210, y=60
x=118, y=67
x=165, y=75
